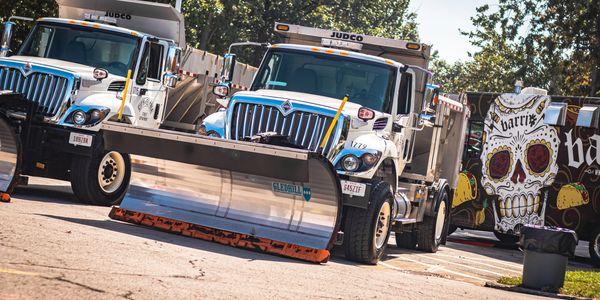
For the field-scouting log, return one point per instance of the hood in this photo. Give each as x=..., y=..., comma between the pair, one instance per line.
x=86, y=73
x=311, y=99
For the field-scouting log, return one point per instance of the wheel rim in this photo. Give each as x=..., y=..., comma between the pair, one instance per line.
x=441, y=218
x=383, y=224
x=597, y=245
x=111, y=172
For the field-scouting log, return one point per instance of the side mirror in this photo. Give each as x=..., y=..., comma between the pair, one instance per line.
x=6, y=37
x=169, y=80
x=228, y=67
x=221, y=90
x=427, y=120
x=172, y=63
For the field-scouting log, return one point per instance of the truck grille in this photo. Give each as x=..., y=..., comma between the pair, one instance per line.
x=47, y=90
x=305, y=129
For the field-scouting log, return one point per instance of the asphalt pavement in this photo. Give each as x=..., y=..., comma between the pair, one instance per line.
x=52, y=247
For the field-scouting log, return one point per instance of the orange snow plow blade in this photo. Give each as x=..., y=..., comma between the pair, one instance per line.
x=220, y=236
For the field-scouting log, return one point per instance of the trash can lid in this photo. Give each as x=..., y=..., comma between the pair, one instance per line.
x=548, y=239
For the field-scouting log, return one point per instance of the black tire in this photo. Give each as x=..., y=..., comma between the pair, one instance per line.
x=427, y=240
x=595, y=246
x=506, y=239
x=360, y=225
x=452, y=229
x=85, y=180
x=406, y=240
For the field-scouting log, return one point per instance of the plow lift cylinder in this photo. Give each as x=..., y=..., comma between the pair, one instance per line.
x=268, y=198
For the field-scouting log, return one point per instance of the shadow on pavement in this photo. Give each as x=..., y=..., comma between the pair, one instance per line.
x=491, y=247
x=46, y=193
x=179, y=240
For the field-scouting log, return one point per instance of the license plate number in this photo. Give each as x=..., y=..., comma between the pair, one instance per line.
x=79, y=139
x=353, y=188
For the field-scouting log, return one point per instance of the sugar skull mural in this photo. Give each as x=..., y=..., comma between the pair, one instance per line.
x=518, y=159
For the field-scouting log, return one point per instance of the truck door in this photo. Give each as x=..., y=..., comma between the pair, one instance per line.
x=406, y=120
x=149, y=93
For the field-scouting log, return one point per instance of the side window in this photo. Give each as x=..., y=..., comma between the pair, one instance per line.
x=151, y=63
x=405, y=94
x=473, y=139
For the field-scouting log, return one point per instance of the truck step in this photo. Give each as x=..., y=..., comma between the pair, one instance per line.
x=405, y=220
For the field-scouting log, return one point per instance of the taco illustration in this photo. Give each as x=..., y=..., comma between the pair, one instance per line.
x=572, y=195
x=466, y=189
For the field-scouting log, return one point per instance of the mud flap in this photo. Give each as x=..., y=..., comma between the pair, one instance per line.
x=268, y=198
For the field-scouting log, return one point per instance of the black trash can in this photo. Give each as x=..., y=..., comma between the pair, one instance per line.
x=547, y=250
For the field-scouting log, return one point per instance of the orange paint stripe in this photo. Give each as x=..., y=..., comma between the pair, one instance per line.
x=314, y=49
x=329, y=51
x=233, y=239
x=344, y=53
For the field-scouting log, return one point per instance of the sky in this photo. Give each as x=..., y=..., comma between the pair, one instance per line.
x=440, y=21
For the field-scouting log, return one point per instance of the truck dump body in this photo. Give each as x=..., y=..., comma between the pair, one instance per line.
x=274, y=199
x=562, y=166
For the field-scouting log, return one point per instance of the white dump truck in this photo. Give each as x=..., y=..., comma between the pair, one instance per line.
x=101, y=60
x=340, y=140
x=365, y=104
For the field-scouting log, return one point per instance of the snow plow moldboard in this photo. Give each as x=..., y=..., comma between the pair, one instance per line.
x=271, y=199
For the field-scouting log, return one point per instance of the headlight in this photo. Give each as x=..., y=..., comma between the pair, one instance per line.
x=350, y=163
x=370, y=159
x=79, y=117
x=96, y=115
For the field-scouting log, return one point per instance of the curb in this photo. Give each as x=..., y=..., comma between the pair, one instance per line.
x=523, y=290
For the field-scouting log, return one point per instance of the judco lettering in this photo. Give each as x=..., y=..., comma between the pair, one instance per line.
x=346, y=36
x=118, y=15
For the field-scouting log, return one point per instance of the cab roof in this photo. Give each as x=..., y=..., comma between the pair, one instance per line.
x=94, y=25
x=339, y=52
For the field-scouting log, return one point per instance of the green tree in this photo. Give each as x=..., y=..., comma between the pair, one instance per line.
x=548, y=43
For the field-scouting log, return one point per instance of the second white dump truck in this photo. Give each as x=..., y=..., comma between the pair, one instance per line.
x=101, y=60
x=395, y=144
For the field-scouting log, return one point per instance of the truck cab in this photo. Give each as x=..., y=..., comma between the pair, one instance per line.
x=366, y=104
x=85, y=67
x=82, y=66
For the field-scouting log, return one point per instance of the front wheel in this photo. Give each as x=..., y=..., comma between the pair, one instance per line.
x=101, y=180
x=430, y=234
x=506, y=239
x=367, y=231
x=595, y=246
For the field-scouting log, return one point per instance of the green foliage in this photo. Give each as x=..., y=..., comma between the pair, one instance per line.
x=551, y=44
x=25, y=8
x=214, y=24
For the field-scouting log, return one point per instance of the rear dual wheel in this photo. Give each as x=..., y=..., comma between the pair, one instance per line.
x=102, y=179
x=431, y=232
x=367, y=231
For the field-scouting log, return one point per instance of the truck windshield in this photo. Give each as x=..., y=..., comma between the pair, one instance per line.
x=369, y=84
x=87, y=46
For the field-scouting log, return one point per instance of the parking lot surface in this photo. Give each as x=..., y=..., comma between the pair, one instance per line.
x=53, y=247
